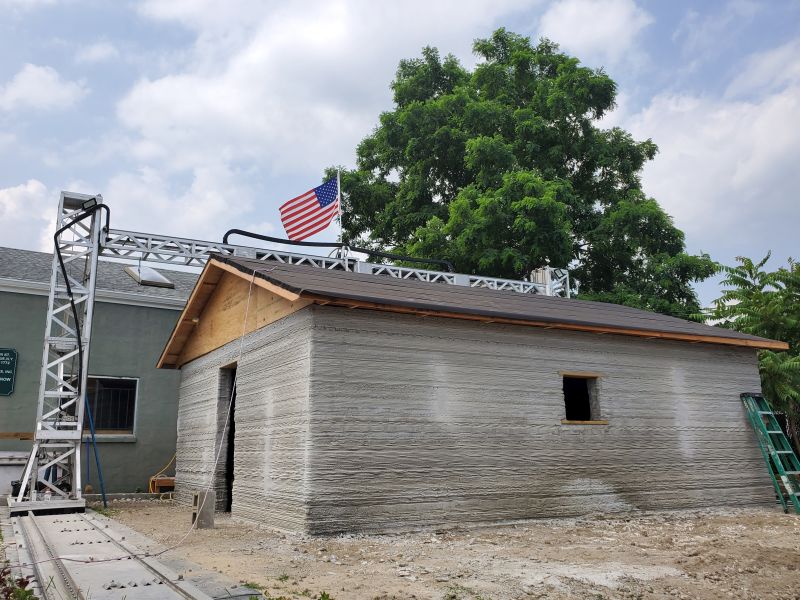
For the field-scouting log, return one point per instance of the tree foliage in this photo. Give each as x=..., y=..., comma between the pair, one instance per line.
x=767, y=304
x=504, y=169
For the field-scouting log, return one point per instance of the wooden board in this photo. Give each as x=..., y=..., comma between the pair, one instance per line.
x=201, y=293
x=581, y=374
x=16, y=435
x=223, y=317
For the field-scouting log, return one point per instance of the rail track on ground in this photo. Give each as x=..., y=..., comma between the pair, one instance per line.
x=80, y=556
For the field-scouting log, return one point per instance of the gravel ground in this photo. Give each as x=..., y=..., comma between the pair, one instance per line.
x=710, y=554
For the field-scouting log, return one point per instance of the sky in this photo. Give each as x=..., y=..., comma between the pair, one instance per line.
x=191, y=117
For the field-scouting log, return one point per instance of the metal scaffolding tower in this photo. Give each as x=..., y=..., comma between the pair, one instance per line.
x=51, y=480
x=52, y=476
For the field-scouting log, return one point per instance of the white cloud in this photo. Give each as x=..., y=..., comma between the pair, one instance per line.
x=284, y=87
x=40, y=88
x=768, y=71
x=727, y=165
x=274, y=90
x=604, y=31
x=96, y=53
x=145, y=200
x=26, y=4
x=707, y=35
x=207, y=15
x=7, y=140
x=27, y=216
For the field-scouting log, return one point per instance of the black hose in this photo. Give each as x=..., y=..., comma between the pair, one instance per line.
x=267, y=238
x=435, y=261
x=86, y=213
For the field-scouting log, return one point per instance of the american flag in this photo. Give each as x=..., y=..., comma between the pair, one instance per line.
x=311, y=212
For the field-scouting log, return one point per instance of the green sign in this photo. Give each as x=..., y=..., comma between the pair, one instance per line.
x=8, y=370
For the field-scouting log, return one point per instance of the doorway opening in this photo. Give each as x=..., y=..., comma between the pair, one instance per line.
x=227, y=394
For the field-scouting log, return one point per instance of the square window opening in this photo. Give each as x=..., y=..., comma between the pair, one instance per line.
x=580, y=399
x=112, y=402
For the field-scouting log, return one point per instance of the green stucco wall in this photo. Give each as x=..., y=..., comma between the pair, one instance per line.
x=126, y=342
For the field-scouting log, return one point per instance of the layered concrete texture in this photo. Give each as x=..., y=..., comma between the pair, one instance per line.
x=356, y=420
x=271, y=424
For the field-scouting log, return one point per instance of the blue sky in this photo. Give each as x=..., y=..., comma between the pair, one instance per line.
x=191, y=117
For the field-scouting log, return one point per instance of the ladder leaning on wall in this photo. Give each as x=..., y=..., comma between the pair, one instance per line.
x=782, y=462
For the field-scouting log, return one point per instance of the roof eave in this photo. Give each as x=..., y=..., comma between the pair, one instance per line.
x=218, y=264
x=758, y=344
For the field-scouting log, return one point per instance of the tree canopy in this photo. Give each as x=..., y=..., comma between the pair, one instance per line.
x=767, y=304
x=505, y=169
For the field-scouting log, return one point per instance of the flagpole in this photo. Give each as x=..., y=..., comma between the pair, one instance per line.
x=339, y=194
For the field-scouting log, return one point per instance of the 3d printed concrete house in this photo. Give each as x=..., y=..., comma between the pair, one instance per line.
x=367, y=403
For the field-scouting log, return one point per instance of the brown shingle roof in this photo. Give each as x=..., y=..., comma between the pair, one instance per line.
x=402, y=295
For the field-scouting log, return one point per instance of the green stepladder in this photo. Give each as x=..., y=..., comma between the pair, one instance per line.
x=782, y=462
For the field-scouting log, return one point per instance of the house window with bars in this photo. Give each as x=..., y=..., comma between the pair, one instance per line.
x=112, y=401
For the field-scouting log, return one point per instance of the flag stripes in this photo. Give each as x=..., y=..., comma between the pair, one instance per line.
x=310, y=213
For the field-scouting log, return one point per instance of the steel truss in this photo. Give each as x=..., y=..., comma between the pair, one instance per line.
x=51, y=479
x=187, y=252
x=52, y=476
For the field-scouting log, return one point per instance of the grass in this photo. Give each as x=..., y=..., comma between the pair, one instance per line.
x=14, y=588
x=267, y=596
x=106, y=512
x=254, y=586
x=459, y=592
x=282, y=577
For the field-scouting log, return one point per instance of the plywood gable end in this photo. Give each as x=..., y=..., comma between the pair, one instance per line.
x=222, y=320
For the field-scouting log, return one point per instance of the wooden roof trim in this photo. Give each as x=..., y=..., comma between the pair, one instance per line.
x=683, y=337
x=203, y=289
x=260, y=282
x=205, y=286
x=214, y=270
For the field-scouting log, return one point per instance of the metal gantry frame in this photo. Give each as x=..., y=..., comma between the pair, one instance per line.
x=51, y=479
x=52, y=475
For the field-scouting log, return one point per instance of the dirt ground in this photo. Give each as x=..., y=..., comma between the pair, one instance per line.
x=708, y=554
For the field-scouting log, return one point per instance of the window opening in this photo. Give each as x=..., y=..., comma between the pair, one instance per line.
x=580, y=398
x=112, y=401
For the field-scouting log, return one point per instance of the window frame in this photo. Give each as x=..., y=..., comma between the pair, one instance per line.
x=117, y=437
x=593, y=401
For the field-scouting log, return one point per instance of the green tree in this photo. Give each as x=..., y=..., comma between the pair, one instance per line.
x=504, y=169
x=767, y=304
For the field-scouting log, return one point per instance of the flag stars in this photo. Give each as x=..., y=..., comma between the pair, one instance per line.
x=311, y=212
x=327, y=192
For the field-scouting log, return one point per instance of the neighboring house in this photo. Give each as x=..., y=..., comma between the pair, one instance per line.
x=134, y=404
x=367, y=403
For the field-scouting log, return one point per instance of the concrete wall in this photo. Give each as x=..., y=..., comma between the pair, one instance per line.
x=350, y=420
x=127, y=341
x=424, y=421
x=271, y=417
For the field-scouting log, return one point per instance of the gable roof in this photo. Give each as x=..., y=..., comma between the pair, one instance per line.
x=379, y=292
x=26, y=271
